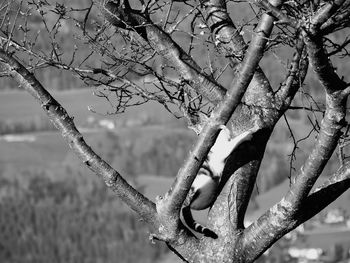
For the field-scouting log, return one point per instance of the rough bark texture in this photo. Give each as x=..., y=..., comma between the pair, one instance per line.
x=248, y=102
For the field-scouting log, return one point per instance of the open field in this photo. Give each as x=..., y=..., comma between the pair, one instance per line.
x=19, y=105
x=49, y=147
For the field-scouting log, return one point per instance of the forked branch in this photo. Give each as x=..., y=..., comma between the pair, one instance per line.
x=173, y=200
x=164, y=45
x=64, y=123
x=289, y=212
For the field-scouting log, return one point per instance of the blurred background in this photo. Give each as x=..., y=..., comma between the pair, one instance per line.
x=53, y=209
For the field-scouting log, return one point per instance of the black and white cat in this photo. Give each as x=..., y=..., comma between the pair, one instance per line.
x=204, y=188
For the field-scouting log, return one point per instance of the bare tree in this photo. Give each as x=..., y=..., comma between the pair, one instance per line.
x=204, y=61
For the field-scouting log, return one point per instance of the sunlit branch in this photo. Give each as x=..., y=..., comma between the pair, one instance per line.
x=322, y=65
x=283, y=216
x=278, y=14
x=173, y=200
x=326, y=143
x=57, y=114
x=324, y=13
x=277, y=219
x=276, y=222
x=327, y=193
x=172, y=52
x=229, y=39
x=336, y=22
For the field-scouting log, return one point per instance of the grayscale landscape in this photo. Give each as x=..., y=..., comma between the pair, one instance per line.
x=53, y=208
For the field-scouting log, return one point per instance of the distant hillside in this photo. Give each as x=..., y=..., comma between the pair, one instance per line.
x=20, y=105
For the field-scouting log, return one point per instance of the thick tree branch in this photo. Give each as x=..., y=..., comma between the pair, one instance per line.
x=60, y=118
x=174, y=199
x=278, y=14
x=227, y=36
x=171, y=203
x=261, y=86
x=321, y=21
x=229, y=40
x=261, y=106
x=182, y=239
x=163, y=44
x=277, y=219
x=324, y=13
x=336, y=22
x=259, y=96
x=322, y=65
x=285, y=215
x=327, y=193
x=326, y=142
